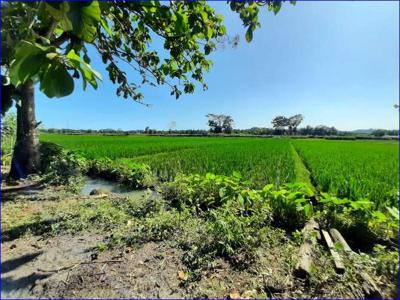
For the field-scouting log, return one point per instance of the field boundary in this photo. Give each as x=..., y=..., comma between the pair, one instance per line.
x=302, y=172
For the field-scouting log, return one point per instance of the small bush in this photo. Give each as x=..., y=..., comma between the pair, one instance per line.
x=156, y=227
x=60, y=167
x=204, y=192
x=359, y=220
x=134, y=175
x=387, y=262
x=291, y=205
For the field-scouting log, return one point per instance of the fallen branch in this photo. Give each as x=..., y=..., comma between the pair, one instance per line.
x=310, y=233
x=338, y=238
x=10, y=189
x=371, y=290
x=77, y=264
x=339, y=266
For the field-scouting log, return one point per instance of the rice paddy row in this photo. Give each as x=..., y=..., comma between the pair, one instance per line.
x=352, y=169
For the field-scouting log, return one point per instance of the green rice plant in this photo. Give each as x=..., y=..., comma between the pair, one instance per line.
x=347, y=169
x=353, y=169
x=260, y=160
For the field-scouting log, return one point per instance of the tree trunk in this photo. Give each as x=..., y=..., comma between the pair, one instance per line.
x=26, y=156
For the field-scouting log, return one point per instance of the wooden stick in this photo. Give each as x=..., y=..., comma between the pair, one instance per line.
x=20, y=187
x=338, y=238
x=310, y=232
x=77, y=264
x=369, y=286
x=339, y=266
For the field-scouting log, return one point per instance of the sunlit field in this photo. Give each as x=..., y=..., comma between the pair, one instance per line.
x=352, y=169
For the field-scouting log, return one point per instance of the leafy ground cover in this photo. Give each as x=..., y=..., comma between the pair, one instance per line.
x=202, y=236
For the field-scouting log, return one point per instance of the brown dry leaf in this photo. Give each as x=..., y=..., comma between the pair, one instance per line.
x=182, y=275
x=234, y=295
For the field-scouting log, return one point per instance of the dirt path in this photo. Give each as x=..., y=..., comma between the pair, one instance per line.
x=22, y=259
x=64, y=266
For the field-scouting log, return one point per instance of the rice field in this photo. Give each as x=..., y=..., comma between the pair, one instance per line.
x=259, y=160
x=352, y=169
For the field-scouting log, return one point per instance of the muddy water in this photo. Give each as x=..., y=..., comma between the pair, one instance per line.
x=92, y=183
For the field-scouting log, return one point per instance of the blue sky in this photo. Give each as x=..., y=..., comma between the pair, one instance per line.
x=337, y=63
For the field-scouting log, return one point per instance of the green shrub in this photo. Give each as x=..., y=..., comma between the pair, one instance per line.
x=204, y=192
x=140, y=207
x=60, y=167
x=359, y=219
x=99, y=214
x=291, y=205
x=134, y=175
x=157, y=226
x=386, y=262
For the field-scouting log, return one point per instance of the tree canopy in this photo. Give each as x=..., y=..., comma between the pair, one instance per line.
x=48, y=42
x=220, y=123
x=281, y=122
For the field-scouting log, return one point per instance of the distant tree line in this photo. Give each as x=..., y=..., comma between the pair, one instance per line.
x=223, y=124
x=384, y=132
x=320, y=130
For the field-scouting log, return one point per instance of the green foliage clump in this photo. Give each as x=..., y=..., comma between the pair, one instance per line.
x=386, y=262
x=8, y=136
x=359, y=219
x=291, y=205
x=134, y=175
x=157, y=226
x=61, y=167
x=96, y=214
x=202, y=193
x=236, y=218
x=235, y=235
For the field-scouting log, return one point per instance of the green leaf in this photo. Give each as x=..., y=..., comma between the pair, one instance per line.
x=268, y=187
x=57, y=10
x=105, y=26
x=236, y=175
x=88, y=74
x=240, y=200
x=84, y=18
x=181, y=24
x=209, y=32
x=30, y=67
x=379, y=216
x=249, y=35
x=52, y=55
x=394, y=212
x=25, y=50
x=56, y=81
